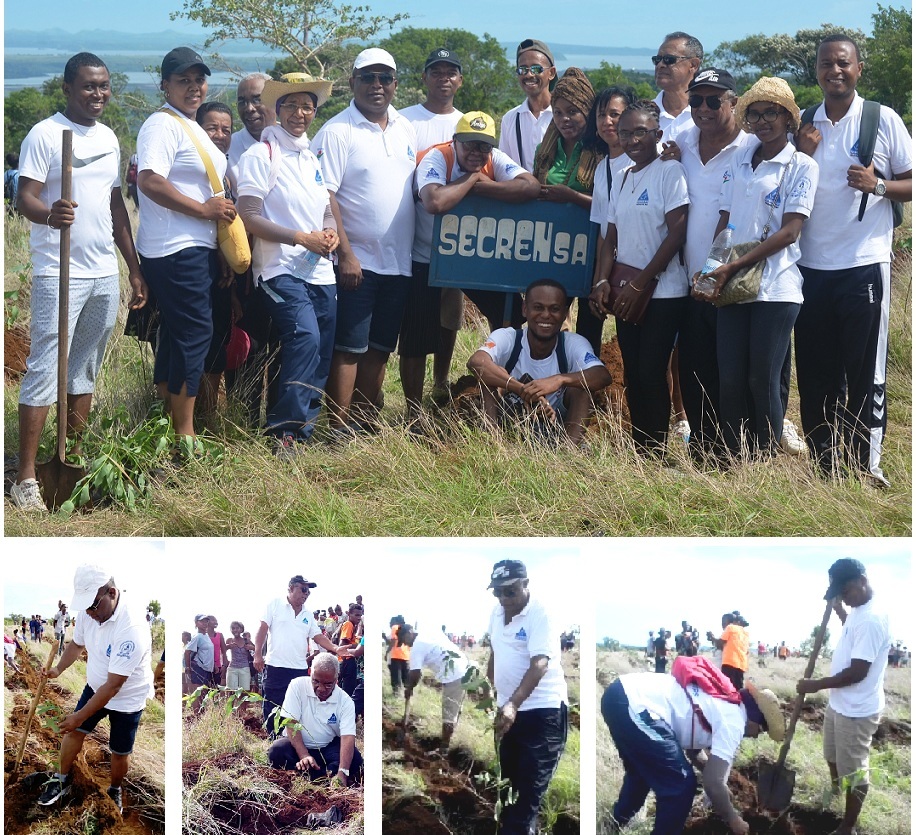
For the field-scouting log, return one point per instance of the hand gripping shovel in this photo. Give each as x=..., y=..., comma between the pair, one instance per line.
x=776, y=782
x=57, y=477
x=35, y=700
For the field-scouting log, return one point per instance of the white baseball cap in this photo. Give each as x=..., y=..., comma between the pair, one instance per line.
x=374, y=55
x=86, y=584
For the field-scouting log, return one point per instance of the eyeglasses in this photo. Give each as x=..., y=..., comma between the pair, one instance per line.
x=291, y=108
x=534, y=69
x=639, y=133
x=669, y=60
x=505, y=591
x=383, y=78
x=254, y=100
x=98, y=600
x=479, y=147
x=752, y=117
x=451, y=75
x=712, y=102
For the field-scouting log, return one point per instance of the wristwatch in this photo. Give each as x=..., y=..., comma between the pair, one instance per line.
x=345, y=771
x=880, y=188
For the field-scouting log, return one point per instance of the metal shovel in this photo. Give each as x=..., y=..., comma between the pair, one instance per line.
x=57, y=477
x=776, y=783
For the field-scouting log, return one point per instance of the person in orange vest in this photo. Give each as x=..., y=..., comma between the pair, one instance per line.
x=398, y=656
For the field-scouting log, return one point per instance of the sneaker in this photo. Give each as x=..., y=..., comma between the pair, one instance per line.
x=56, y=789
x=114, y=792
x=26, y=496
x=286, y=448
x=790, y=443
x=682, y=430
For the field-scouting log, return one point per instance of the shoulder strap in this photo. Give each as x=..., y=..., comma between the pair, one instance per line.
x=516, y=352
x=215, y=184
x=562, y=362
x=607, y=162
x=868, y=134
x=518, y=138
x=807, y=116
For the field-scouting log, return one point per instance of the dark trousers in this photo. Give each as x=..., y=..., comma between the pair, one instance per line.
x=273, y=689
x=752, y=343
x=529, y=754
x=652, y=759
x=735, y=676
x=281, y=754
x=646, y=350
x=399, y=669
x=836, y=355
x=589, y=326
x=348, y=673
x=699, y=374
x=660, y=664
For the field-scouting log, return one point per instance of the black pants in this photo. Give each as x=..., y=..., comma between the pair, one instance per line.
x=348, y=673
x=836, y=356
x=589, y=326
x=699, y=375
x=529, y=754
x=281, y=754
x=399, y=669
x=276, y=680
x=735, y=676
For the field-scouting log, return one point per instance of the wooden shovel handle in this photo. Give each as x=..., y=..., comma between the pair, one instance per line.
x=63, y=307
x=35, y=700
x=800, y=699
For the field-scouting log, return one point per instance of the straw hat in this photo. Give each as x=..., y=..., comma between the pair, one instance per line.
x=295, y=82
x=766, y=699
x=775, y=90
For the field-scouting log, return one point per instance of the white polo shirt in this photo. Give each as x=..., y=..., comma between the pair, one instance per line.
x=866, y=635
x=672, y=126
x=667, y=701
x=833, y=238
x=122, y=645
x=440, y=655
x=241, y=141
x=704, y=184
x=514, y=644
x=607, y=171
x=748, y=194
x=297, y=201
x=289, y=634
x=431, y=128
x=638, y=205
x=96, y=166
x=533, y=130
x=370, y=170
x=321, y=720
x=165, y=148
x=432, y=171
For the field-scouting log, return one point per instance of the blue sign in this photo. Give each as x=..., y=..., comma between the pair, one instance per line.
x=484, y=244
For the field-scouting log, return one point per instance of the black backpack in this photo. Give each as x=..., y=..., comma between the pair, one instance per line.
x=868, y=134
x=517, y=352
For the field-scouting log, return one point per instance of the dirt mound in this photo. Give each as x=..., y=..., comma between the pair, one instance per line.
x=891, y=732
x=15, y=352
x=613, y=398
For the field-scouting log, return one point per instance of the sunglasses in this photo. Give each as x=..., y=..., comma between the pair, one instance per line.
x=534, y=69
x=639, y=133
x=505, y=591
x=752, y=117
x=712, y=102
x=98, y=601
x=668, y=60
x=384, y=78
x=479, y=147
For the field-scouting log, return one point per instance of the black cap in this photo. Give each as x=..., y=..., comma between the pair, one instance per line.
x=506, y=572
x=538, y=46
x=444, y=56
x=841, y=572
x=180, y=59
x=299, y=580
x=712, y=77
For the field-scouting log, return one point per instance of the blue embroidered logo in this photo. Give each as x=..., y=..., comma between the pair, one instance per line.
x=108, y=652
x=590, y=357
x=333, y=719
x=318, y=178
x=521, y=635
x=305, y=618
x=643, y=198
x=432, y=174
x=801, y=188
x=410, y=152
x=854, y=150
x=727, y=176
x=773, y=199
x=126, y=650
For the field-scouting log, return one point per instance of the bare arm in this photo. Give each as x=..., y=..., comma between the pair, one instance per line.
x=350, y=272
x=347, y=747
x=520, y=189
x=28, y=201
x=250, y=208
x=325, y=642
x=158, y=189
x=565, y=194
x=99, y=699
x=600, y=297
x=124, y=241
x=258, y=646
x=856, y=671
x=715, y=775
x=537, y=668
x=437, y=198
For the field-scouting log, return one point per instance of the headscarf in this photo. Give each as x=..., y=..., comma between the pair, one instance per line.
x=575, y=87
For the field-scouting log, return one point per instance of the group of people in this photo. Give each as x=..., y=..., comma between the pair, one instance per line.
x=342, y=231
x=666, y=726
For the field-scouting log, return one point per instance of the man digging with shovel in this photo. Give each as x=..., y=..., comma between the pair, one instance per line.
x=856, y=684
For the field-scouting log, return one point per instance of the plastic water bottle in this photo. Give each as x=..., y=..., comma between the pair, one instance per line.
x=719, y=254
x=303, y=265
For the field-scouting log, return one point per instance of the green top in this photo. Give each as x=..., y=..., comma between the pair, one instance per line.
x=563, y=171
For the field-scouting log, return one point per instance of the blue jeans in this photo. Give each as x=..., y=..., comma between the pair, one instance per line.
x=305, y=316
x=652, y=759
x=752, y=342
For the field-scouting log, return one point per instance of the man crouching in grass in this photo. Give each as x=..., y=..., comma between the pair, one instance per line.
x=539, y=372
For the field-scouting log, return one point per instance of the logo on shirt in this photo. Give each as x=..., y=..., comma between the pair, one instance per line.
x=126, y=650
x=773, y=199
x=727, y=176
x=332, y=720
x=108, y=652
x=521, y=635
x=590, y=357
x=320, y=153
x=489, y=344
x=854, y=150
x=82, y=163
x=432, y=174
x=410, y=153
x=512, y=168
x=643, y=198
x=801, y=188
x=318, y=178
x=305, y=619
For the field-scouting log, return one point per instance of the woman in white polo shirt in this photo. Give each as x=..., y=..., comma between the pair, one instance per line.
x=285, y=205
x=177, y=235
x=770, y=186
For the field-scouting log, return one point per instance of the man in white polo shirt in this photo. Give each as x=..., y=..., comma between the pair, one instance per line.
x=287, y=626
x=523, y=127
x=678, y=61
x=368, y=156
x=324, y=743
x=255, y=117
x=524, y=667
x=436, y=652
x=856, y=684
x=113, y=631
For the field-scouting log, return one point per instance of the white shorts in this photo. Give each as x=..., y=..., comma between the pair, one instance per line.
x=452, y=698
x=93, y=310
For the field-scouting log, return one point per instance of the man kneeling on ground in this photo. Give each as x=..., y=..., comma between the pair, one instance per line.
x=539, y=370
x=324, y=741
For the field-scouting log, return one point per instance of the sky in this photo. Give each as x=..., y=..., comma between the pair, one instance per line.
x=587, y=23
x=778, y=586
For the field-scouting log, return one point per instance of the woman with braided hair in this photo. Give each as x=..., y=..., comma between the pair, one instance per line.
x=565, y=166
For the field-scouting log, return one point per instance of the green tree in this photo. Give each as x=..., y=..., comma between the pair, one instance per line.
x=808, y=644
x=890, y=56
x=154, y=607
x=610, y=644
x=610, y=75
x=308, y=31
x=489, y=82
